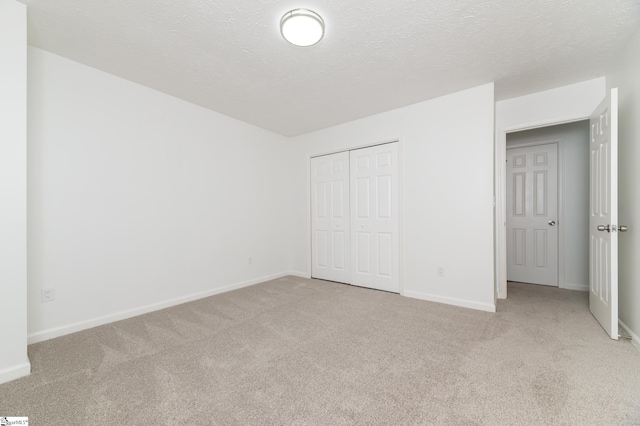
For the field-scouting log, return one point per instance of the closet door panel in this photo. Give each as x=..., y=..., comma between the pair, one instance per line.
x=375, y=224
x=330, y=214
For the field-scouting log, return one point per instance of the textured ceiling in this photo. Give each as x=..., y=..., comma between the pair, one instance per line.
x=228, y=55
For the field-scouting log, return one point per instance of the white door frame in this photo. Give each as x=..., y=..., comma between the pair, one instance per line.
x=501, y=201
x=400, y=202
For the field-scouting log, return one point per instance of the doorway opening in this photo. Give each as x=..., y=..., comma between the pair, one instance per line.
x=547, y=205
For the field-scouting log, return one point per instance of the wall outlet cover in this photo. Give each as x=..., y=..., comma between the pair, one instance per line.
x=48, y=294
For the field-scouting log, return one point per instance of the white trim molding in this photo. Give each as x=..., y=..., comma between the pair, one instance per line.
x=299, y=274
x=635, y=340
x=15, y=372
x=450, y=301
x=577, y=287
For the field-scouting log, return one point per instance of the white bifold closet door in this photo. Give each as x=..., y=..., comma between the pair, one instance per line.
x=330, y=217
x=355, y=227
x=374, y=217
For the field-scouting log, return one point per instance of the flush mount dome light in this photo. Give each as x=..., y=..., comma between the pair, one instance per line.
x=302, y=27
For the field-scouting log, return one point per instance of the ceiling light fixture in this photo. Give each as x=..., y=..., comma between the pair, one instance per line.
x=302, y=27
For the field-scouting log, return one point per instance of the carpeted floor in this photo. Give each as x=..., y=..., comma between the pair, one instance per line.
x=299, y=351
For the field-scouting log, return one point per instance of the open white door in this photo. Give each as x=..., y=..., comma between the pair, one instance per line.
x=603, y=218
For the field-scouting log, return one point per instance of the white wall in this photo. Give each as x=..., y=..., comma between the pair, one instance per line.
x=625, y=78
x=573, y=219
x=446, y=183
x=561, y=105
x=13, y=182
x=138, y=200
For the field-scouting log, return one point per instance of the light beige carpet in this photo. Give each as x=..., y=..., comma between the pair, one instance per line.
x=298, y=351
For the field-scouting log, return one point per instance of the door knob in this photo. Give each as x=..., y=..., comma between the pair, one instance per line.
x=552, y=223
x=623, y=228
x=604, y=228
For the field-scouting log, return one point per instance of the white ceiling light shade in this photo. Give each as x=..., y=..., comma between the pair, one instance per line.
x=302, y=27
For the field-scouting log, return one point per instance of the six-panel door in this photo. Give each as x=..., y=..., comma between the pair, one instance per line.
x=532, y=214
x=603, y=215
x=374, y=217
x=330, y=215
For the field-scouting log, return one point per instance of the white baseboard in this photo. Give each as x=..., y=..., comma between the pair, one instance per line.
x=451, y=301
x=577, y=287
x=299, y=274
x=15, y=372
x=634, y=337
x=52, y=333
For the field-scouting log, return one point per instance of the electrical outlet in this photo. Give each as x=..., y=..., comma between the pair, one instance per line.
x=441, y=271
x=48, y=294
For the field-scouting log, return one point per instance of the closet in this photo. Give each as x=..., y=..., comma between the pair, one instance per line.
x=354, y=217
